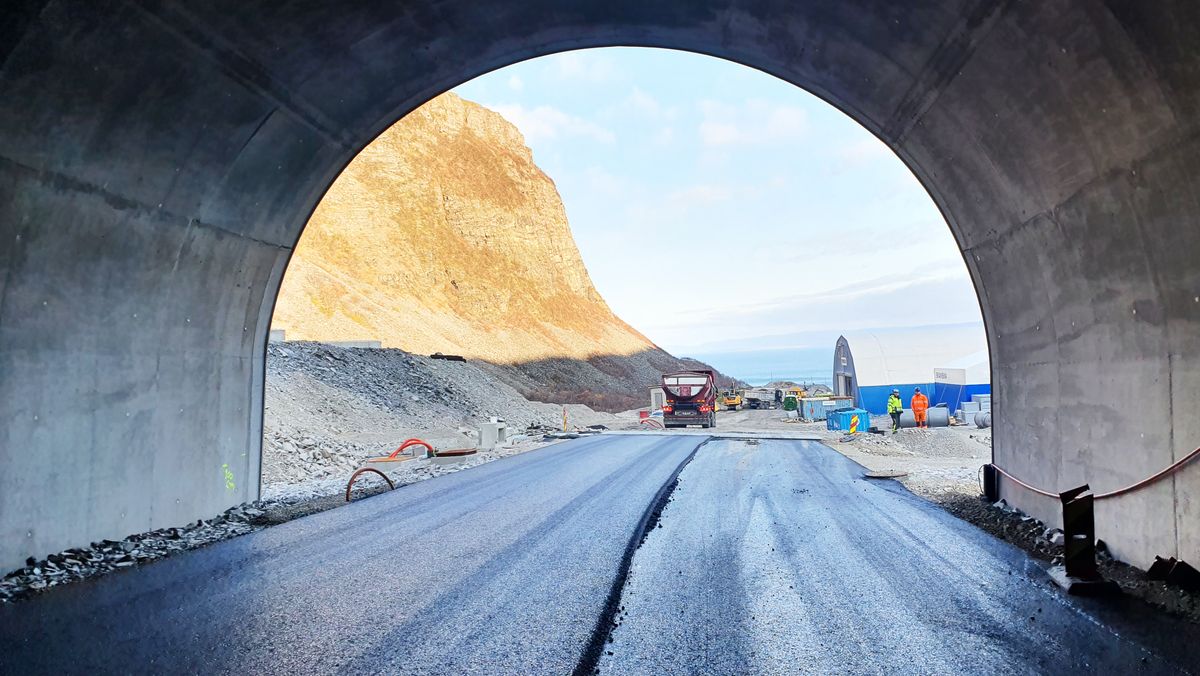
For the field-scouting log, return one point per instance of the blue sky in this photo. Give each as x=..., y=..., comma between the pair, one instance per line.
x=719, y=209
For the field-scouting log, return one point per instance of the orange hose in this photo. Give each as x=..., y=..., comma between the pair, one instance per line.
x=411, y=442
x=1151, y=479
x=354, y=476
x=1174, y=467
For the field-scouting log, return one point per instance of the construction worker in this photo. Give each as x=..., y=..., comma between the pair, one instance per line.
x=895, y=408
x=920, y=404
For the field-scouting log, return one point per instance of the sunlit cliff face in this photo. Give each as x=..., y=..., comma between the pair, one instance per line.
x=444, y=236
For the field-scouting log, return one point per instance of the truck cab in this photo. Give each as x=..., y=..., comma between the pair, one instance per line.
x=691, y=399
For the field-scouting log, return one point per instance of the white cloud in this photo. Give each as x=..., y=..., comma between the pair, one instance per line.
x=643, y=103
x=754, y=122
x=546, y=123
x=640, y=108
x=720, y=133
x=876, y=303
x=516, y=84
x=700, y=194
x=607, y=185
x=587, y=67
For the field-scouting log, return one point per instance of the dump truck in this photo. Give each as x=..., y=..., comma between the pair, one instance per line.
x=731, y=399
x=691, y=398
x=759, y=398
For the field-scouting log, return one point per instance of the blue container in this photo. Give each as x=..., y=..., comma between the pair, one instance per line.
x=816, y=409
x=844, y=420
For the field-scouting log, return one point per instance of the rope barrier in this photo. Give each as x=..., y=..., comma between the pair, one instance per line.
x=1174, y=467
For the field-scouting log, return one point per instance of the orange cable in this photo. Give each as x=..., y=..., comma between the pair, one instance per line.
x=1120, y=491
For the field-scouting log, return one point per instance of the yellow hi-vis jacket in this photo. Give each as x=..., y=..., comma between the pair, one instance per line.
x=895, y=405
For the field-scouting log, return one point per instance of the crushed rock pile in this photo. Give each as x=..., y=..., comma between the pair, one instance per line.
x=327, y=408
x=933, y=442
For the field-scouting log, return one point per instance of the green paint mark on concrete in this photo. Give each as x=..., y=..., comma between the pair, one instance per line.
x=229, y=485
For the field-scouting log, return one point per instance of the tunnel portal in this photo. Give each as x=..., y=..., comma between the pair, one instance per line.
x=159, y=159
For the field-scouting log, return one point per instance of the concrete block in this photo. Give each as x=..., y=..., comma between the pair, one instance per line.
x=447, y=459
x=361, y=344
x=489, y=435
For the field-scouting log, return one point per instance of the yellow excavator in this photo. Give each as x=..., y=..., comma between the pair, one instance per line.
x=731, y=399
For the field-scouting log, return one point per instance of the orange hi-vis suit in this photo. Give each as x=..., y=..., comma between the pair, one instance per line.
x=920, y=404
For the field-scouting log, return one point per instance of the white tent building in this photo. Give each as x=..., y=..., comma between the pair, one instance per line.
x=949, y=363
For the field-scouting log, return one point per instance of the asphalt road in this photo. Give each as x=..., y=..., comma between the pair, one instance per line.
x=770, y=558
x=781, y=558
x=501, y=568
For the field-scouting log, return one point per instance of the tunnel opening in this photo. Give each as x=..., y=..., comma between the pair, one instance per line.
x=450, y=230
x=144, y=256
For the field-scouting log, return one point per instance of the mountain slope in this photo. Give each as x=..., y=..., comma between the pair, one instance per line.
x=443, y=235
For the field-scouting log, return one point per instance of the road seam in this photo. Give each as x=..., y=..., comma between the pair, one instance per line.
x=590, y=659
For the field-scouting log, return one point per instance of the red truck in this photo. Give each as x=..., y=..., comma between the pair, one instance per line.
x=691, y=398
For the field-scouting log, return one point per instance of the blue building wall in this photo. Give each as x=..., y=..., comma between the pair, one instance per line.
x=874, y=397
x=954, y=395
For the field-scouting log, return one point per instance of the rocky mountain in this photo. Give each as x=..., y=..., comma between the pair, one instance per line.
x=443, y=235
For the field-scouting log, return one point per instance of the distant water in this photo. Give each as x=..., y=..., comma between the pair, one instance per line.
x=759, y=367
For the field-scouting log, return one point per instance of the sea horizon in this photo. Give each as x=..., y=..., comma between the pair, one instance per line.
x=759, y=367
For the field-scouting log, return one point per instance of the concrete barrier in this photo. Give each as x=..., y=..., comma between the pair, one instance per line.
x=492, y=434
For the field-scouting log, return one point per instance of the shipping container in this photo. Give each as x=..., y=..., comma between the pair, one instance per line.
x=852, y=420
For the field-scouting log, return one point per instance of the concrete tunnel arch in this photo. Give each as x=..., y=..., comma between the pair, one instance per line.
x=159, y=159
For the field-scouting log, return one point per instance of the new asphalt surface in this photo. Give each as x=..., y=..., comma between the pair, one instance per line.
x=771, y=557
x=780, y=557
x=503, y=568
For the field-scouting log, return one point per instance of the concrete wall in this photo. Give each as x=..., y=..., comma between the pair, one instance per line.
x=158, y=160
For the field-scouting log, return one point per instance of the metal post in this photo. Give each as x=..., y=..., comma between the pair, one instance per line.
x=1079, y=531
x=991, y=483
x=1078, y=574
